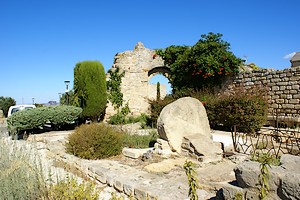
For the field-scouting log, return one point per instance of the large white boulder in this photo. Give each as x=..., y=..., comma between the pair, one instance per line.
x=187, y=118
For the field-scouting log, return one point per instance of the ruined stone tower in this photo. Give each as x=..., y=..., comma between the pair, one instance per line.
x=139, y=66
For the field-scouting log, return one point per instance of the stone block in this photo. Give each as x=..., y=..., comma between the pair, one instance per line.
x=110, y=180
x=295, y=78
x=290, y=187
x=297, y=107
x=118, y=185
x=294, y=101
x=296, y=96
x=282, y=83
x=282, y=75
x=231, y=191
x=164, y=143
x=134, y=153
x=100, y=175
x=140, y=194
x=282, y=87
x=286, y=79
x=293, y=91
x=247, y=173
x=128, y=189
x=290, y=162
x=279, y=100
x=289, y=106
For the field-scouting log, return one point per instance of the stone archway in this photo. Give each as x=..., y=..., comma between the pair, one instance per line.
x=139, y=66
x=152, y=87
x=161, y=70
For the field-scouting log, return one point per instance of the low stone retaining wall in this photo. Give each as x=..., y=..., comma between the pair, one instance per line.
x=134, y=181
x=283, y=181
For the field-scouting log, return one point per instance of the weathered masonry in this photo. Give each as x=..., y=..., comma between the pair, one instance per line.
x=139, y=65
x=142, y=63
x=284, y=88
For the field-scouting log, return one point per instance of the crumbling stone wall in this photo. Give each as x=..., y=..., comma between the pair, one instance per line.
x=284, y=88
x=142, y=63
x=138, y=66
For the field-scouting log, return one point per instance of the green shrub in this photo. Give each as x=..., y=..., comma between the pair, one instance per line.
x=90, y=88
x=140, y=141
x=72, y=189
x=144, y=119
x=95, y=141
x=35, y=118
x=5, y=103
x=246, y=108
x=123, y=118
x=267, y=158
x=21, y=172
x=117, y=118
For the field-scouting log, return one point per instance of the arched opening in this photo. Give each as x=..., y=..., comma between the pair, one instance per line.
x=159, y=75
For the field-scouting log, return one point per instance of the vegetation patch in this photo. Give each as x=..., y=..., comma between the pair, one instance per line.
x=90, y=89
x=140, y=141
x=202, y=65
x=21, y=172
x=29, y=120
x=115, y=95
x=95, y=141
x=70, y=188
x=246, y=108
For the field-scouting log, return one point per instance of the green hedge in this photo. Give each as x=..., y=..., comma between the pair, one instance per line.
x=60, y=115
x=35, y=118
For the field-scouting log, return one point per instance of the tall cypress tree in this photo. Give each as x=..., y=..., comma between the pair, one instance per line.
x=157, y=91
x=90, y=88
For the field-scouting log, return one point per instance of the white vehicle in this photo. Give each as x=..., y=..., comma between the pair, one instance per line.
x=17, y=108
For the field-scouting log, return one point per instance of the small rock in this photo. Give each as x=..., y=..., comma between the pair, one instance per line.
x=147, y=155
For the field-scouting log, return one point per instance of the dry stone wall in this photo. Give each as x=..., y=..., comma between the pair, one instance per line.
x=135, y=84
x=283, y=85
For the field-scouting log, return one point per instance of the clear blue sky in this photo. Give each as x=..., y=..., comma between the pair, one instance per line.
x=42, y=40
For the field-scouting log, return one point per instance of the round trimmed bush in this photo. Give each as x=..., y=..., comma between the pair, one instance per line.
x=95, y=141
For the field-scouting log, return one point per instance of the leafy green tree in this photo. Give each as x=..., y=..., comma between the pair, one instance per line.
x=204, y=64
x=5, y=103
x=90, y=88
x=63, y=99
